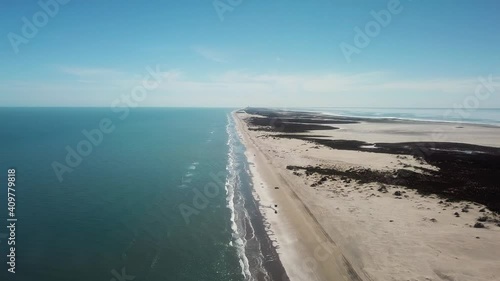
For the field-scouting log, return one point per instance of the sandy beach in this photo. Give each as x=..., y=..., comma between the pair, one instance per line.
x=354, y=199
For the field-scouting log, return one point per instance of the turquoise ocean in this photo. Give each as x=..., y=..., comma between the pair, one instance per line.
x=160, y=197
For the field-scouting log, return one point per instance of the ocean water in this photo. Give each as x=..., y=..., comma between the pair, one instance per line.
x=161, y=197
x=488, y=116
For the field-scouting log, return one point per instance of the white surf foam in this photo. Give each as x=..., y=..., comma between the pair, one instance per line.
x=232, y=181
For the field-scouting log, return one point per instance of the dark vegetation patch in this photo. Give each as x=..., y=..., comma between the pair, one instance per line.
x=454, y=186
x=278, y=125
x=292, y=122
x=465, y=171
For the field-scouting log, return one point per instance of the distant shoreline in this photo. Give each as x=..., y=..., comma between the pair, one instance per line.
x=465, y=121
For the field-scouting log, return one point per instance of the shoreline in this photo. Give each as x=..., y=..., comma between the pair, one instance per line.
x=304, y=248
x=336, y=193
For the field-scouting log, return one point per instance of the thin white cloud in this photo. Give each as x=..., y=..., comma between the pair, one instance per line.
x=330, y=89
x=241, y=88
x=209, y=54
x=89, y=71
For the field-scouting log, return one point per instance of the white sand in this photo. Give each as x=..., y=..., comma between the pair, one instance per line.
x=383, y=238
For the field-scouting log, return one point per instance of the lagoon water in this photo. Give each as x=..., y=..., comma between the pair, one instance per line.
x=159, y=198
x=486, y=116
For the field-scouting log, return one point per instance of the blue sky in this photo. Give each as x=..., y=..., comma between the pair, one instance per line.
x=259, y=53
